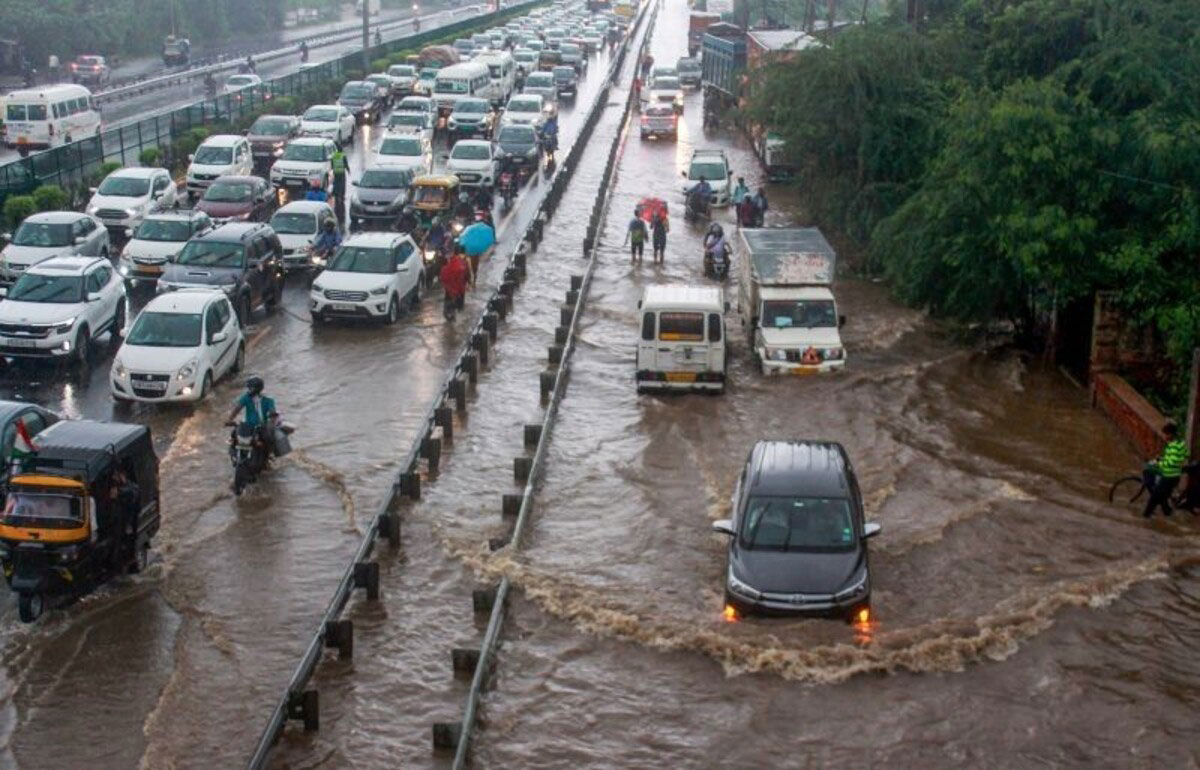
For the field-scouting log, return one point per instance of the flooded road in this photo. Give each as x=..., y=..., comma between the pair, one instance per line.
x=180, y=666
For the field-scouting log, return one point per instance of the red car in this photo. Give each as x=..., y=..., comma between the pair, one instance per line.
x=238, y=199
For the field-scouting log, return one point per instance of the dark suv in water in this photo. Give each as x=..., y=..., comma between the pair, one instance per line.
x=245, y=259
x=798, y=539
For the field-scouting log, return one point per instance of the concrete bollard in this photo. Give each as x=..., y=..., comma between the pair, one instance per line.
x=573, y=297
x=389, y=527
x=554, y=354
x=410, y=485
x=522, y=467
x=565, y=314
x=464, y=659
x=499, y=306
x=443, y=417
x=519, y=259
x=547, y=380
x=510, y=505
x=470, y=365
x=496, y=543
x=483, y=599
x=446, y=735
x=431, y=450
x=339, y=634
x=491, y=324
x=479, y=341
x=366, y=575
x=533, y=434
x=576, y=282
x=305, y=706
x=507, y=288
x=560, y=335
x=458, y=391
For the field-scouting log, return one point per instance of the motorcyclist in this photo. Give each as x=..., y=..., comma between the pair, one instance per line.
x=454, y=276
x=328, y=241
x=436, y=237
x=210, y=83
x=250, y=63
x=699, y=195
x=316, y=192
x=714, y=242
x=483, y=199
x=550, y=134
x=260, y=413
x=464, y=211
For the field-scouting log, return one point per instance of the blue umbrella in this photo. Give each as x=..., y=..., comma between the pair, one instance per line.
x=477, y=239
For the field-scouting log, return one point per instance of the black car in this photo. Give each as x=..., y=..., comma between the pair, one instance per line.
x=269, y=134
x=362, y=98
x=566, y=81
x=518, y=144
x=245, y=259
x=798, y=536
x=470, y=118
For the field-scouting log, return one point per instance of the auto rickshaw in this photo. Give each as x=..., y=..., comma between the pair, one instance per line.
x=431, y=197
x=80, y=511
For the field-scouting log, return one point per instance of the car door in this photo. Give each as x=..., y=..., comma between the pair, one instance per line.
x=96, y=311
x=647, y=357
x=217, y=339
x=164, y=191
x=405, y=265
x=112, y=289
x=79, y=237
x=346, y=125
x=256, y=250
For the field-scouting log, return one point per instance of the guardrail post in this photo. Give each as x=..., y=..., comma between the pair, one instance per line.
x=565, y=314
x=491, y=324
x=446, y=735
x=366, y=575
x=305, y=706
x=522, y=466
x=464, y=659
x=510, y=505
x=480, y=342
x=547, y=380
x=499, y=306
x=483, y=599
x=389, y=527
x=560, y=335
x=576, y=282
x=533, y=434
x=572, y=297
x=340, y=634
x=431, y=450
x=410, y=485
x=554, y=354
x=458, y=391
x=443, y=416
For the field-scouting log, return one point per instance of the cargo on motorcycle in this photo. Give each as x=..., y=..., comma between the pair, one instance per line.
x=432, y=199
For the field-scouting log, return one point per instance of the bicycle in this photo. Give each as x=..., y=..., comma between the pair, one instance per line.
x=1129, y=490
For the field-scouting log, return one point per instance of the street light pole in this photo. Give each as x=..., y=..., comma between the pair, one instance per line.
x=366, y=37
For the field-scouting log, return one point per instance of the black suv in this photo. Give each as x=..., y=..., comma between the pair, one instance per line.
x=245, y=259
x=798, y=541
x=269, y=135
x=362, y=98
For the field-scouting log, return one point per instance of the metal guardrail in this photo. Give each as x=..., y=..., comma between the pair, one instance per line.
x=564, y=346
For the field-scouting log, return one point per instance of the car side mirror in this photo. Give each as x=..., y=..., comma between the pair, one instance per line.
x=402, y=268
x=218, y=338
x=871, y=529
x=841, y=321
x=3, y=292
x=354, y=183
x=93, y=190
x=723, y=527
x=93, y=296
x=683, y=174
x=191, y=157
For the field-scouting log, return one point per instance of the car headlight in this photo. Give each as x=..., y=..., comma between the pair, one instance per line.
x=776, y=354
x=187, y=371
x=738, y=587
x=430, y=255
x=118, y=369
x=379, y=291
x=123, y=269
x=857, y=589
x=92, y=210
x=132, y=212
x=832, y=354
x=318, y=288
x=65, y=327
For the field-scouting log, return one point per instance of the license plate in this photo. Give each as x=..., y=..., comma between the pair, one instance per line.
x=803, y=371
x=681, y=376
x=18, y=343
x=150, y=269
x=150, y=385
x=343, y=307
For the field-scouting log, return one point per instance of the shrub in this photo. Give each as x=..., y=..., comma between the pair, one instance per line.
x=16, y=208
x=150, y=157
x=380, y=65
x=51, y=197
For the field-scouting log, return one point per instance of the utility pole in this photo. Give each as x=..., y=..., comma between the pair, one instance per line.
x=832, y=16
x=366, y=37
x=914, y=12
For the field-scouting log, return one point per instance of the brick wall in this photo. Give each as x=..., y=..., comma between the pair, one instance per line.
x=1134, y=416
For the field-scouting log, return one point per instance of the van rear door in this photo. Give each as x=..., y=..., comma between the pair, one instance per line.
x=682, y=347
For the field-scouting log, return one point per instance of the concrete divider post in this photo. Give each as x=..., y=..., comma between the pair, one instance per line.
x=339, y=634
x=305, y=706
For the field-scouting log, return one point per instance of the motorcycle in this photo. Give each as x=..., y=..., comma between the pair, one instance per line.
x=717, y=266
x=697, y=208
x=249, y=453
x=507, y=189
x=549, y=145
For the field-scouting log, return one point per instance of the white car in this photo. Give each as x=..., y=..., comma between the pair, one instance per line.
x=524, y=110
x=420, y=104
x=127, y=195
x=542, y=84
x=237, y=83
x=59, y=306
x=328, y=121
x=178, y=346
x=404, y=79
x=298, y=224
x=407, y=151
x=526, y=59
x=219, y=155
x=305, y=160
x=666, y=90
x=473, y=161
x=713, y=167
x=156, y=241
x=373, y=276
x=52, y=234
x=410, y=123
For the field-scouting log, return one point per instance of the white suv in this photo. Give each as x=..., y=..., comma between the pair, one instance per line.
x=127, y=195
x=713, y=167
x=178, y=346
x=330, y=121
x=220, y=155
x=304, y=161
x=59, y=306
x=474, y=162
x=52, y=234
x=372, y=276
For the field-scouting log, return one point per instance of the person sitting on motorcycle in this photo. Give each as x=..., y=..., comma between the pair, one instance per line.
x=437, y=236
x=506, y=178
x=464, y=211
x=260, y=412
x=714, y=241
x=328, y=241
x=316, y=192
x=550, y=134
x=483, y=199
x=698, y=196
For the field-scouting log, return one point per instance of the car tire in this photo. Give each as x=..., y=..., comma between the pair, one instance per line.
x=243, y=311
x=239, y=361
x=83, y=343
x=206, y=387
x=118, y=325
x=393, y=312
x=414, y=296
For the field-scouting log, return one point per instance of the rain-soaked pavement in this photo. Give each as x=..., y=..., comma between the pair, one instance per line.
x=1019, y=620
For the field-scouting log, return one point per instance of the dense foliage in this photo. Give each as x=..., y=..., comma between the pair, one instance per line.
x=1006, y=153
x=67, y=28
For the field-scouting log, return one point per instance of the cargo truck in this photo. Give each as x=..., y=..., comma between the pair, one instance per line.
x=786, y=300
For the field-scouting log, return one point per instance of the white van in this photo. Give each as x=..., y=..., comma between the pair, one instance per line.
x=682, y=340
x=470, y=78
x=39, y=118
x=502, y=71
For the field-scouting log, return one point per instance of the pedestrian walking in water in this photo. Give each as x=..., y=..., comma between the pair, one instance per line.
x=635, y=236
x=760, y=207
x=659, y=229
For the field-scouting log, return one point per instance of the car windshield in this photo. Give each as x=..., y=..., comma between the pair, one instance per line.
x=212, y=254
x=43, y=235
x=472, y=107
x=709, y=171
x=321, y=115
x=523, y=105
x=400, y=145
x=659, y=111
x=165, y=330
x=427, y=193
x=450, y=87
x=429, y=73
x=807, y=314
x=569, y=48
x=44, y=510
x=310, y=153
x=517, y=135
x=525, y=57
x=418, y=106
x=355, y=259
x=798, y=524
x=660, y=72
x=384, y=179
x=214, y=156
x=160, y=230
x=689, y=65
x=463, y=151
x=124, y=187
x=229, y=192
x=358, y=91
x=666, y=84
x=33, y=287
x=382, y=81
x=240, y=80
x=406, y=119
x=294, y=223
x=402, y=71
x=270, y=127
x=539, y=80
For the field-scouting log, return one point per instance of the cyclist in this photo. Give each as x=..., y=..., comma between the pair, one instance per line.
x=1162, y=476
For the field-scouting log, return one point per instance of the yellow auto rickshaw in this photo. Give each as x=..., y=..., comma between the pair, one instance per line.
x=432, y=197
x=81, y=510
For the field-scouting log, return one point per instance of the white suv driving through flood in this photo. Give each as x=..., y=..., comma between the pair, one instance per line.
x=373, y=276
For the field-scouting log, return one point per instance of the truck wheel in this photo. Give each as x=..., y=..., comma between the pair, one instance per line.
x=30, y=605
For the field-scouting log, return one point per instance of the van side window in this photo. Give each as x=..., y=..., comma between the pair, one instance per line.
x=648, y=326
x=714, y=327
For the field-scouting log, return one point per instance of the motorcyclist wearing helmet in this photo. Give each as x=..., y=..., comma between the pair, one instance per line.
x=316, y=192
x=714, y=241
x=260, y=409
x=550, y=134
x=483, y=199
x=328, y=241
